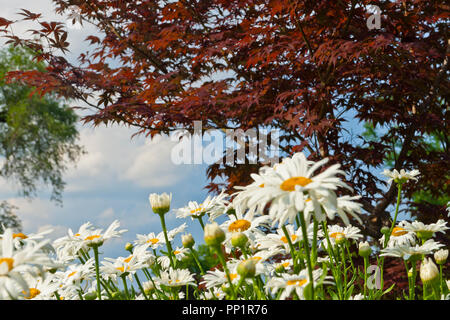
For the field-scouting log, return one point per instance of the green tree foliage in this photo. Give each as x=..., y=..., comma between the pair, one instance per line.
x=38, y=134
x=8, y=219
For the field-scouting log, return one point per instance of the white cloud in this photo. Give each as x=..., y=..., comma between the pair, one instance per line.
x=33, y=213
x=114, y=158
x=57, y=231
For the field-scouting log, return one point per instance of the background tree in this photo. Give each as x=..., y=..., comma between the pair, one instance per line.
x=37, y=134
x=8, y=218
x=312, y=69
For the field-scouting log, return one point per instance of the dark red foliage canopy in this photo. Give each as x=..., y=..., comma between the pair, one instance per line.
x=310, y=68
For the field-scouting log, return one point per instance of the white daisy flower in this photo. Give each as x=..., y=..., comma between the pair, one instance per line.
x=213, y=206
x=288, y=186
x=172, y=233
x=76, y=273
x=15, y=262
x=217, y=278
x=400, y=236
x=150, y=240
x=176, y=278
x=358, y=296
x=179, y=253
x=113, y=268
x=96, y=237
x=217, y=293
x=406, y=251
x=67, y=247
x=247, y=224
x=335, y=231
x=426, y=230
x=402, y=176
x=275, y=240
x=291, y=283
x=40, y=289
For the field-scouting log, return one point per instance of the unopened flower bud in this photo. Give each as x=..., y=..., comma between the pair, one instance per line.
x=90, y=296
x=160, y=203
x=187, y=240
x=441, y=256
x=364, y=249
x=385, y=230
x=428, y=271
x=214, y=235
x=247, y=268
x=280, y=268
x=239, y=240
x=129, y=247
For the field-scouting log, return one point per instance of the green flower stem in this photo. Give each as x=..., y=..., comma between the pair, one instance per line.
x=140, y=286
x=366, y=265
x=200, y=220
x=124, y=280
x=291, y=248
x=413, y=279
x=334, y=260
x=314, y=244
x=350, y=257
x=344, y=271
x=97, y=272
x=388, y=235
x=399, y=192
x=441, y=282
x=194, y=255
x=168, y=244
x=308, y=256
x=225, y=268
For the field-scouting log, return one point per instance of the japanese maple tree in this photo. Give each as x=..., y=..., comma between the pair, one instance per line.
x=312, y=69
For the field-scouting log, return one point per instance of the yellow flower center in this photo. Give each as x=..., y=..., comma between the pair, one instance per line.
x=261, y=185
x=19, y=235
x=95, y=236
x=285, y=264
x=33, y=292
x=398, y=231
x=296, y=282
x=256, y=258
x=153, y=241
x=176, y=252
x=284, y=239
x=8, y=261
x=289, y=184
x=176, y=281
x=122, y=269
x=233, y=276
x=194, y=211
x=335, y=234
x=239, y=225
x=128, y=259
x=71, y=274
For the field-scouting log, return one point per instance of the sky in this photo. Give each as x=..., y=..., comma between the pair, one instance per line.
x=114, y=178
